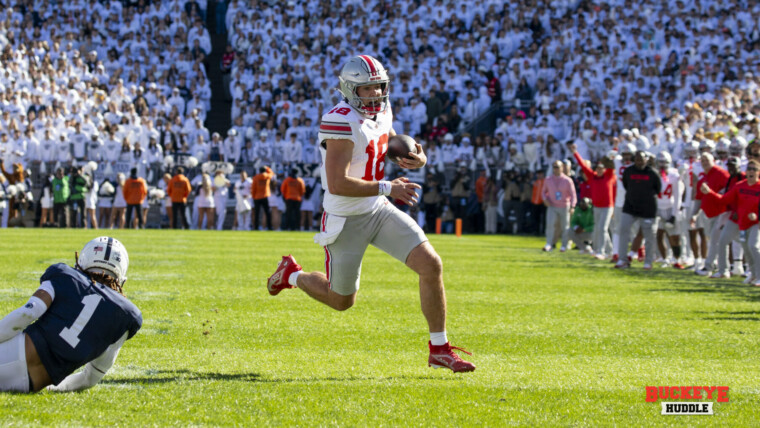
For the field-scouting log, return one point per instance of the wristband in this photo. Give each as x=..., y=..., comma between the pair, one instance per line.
x=384, y=188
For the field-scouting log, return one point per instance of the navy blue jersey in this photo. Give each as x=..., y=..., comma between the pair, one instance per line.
x=85, y=318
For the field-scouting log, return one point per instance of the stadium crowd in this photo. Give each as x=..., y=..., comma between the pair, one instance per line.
x=124, y=84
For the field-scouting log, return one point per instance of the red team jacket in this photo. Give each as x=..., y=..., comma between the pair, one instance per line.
x=716, y=179
x=744, y=197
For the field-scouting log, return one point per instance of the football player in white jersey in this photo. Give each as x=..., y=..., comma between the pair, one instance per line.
x=737, y=149
x=353, y=140
x=721, y=152
x=622, y=162
x=692, y=172
x=668, y=207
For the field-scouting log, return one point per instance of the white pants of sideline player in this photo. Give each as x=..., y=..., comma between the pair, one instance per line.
x=648, y=228
x=602, y=242
x=13, y=374
x=751, y=245
x=554, y=215
x=580, y=238
x=713, y=227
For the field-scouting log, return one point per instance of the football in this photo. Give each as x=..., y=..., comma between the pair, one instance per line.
x=399, y=147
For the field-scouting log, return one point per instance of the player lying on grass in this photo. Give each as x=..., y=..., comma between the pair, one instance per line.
x=78, y=316
x=353, y=141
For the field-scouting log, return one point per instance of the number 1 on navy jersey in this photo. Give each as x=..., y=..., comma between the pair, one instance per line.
x=71, y=334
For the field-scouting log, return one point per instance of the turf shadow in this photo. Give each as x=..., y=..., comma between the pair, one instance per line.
x=679, y=281
x=167, y=376
x=183, y=375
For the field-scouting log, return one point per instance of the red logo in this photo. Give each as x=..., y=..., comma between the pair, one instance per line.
x=654, y=393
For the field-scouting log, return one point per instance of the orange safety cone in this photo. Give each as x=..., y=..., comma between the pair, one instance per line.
x=458, y=227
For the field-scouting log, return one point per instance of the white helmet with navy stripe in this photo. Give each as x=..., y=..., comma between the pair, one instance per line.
x=364, y=70
x=105, y=255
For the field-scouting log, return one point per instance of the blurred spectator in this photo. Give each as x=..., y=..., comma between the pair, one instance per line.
x=538, y=207
x=432, y=198
x=14, y=178
x=490, y=205
x=511, y=203
x=460, y=192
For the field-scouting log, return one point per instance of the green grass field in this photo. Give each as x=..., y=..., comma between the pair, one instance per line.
x=559, y=339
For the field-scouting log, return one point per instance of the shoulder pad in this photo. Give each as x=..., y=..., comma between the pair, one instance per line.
x=57, y=270
x=137, y=316
x=336, y=124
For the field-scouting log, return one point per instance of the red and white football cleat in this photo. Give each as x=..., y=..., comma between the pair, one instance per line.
x=279, y=280
x=443, y=356
x=641, y=254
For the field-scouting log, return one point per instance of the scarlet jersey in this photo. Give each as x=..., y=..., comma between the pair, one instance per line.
x=670, y=196
x=370, y=139
x=620, y=168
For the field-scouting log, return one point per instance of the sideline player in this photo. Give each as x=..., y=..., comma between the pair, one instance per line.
x=668, y=209
x=621, y=163
x=353, y=140
x=78, y=316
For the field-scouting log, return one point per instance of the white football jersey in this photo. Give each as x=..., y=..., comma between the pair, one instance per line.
x=693, y=172
x=670, y=196
x=620, y=168
x=370, y=139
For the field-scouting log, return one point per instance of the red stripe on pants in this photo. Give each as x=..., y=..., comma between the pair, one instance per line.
x=327, y=252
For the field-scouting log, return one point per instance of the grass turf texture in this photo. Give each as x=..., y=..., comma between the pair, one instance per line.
x=559, y=339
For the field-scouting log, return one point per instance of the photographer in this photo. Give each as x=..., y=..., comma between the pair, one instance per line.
x=460, y=191
x=431, y=199
x=60, y=199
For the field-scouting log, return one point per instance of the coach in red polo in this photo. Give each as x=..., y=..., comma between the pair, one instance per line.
x=716, y=179
x=603, y=184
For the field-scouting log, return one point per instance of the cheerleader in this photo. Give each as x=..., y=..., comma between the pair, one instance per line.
x=206, y=203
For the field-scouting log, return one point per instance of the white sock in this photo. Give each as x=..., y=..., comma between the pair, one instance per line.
x=438, y=339
x=293, y=278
